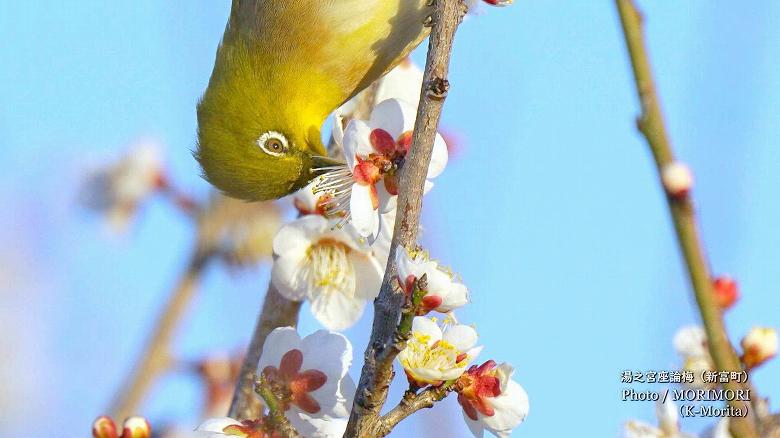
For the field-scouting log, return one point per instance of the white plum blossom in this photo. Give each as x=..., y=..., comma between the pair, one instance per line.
x=691, y=341
x=691, y=344
x=328, y=264
x=444, y=292
x=375, y=151
x=491, y=400
x=403, y=82
x=312, y=373
x=719, y=430
x=433, y=356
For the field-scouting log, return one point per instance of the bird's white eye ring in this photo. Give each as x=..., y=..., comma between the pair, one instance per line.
x=273, y=143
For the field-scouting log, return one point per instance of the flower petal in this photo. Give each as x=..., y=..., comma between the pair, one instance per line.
x=361, y=206
x=338, y=127
x=356, y=142
x=387, y=201
x=458, y=296
x=403, y=82
x=476, y=428
x=369, y=274
x=425, y=326
x=335, y=310
x=286, y=277
x=327, y=351
x=394, y=116
x=439, y=158
x=461, y=336
x=511, y=408
x=277, y=344
x=319, y=427
x=295, y=237
x=216, y=425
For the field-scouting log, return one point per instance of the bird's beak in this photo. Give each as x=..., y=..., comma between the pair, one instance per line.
x=321, y=162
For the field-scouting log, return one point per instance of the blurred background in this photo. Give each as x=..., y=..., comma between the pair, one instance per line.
x=550, y=209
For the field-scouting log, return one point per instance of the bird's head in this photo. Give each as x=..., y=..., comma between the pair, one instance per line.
x=257, y=141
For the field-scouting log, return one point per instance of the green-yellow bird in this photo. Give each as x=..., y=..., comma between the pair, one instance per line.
x=283, y=66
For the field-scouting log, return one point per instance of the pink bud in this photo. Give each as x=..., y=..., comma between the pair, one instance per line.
x=677, y=179
x=104, y=427
x=758, y=346
x=136, y=427
x=726, y=291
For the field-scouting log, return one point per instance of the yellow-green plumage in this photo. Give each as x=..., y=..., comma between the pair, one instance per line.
x=283, y=67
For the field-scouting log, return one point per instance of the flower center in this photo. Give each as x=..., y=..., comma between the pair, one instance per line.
x=480, y=384
x=294, y=385
x=330, y=267
x=440, y=356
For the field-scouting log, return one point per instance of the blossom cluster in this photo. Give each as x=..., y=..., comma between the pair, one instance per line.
x=334, y=255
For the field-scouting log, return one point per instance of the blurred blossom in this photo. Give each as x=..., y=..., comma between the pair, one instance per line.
x=119, y=189
x=219, y=373
x=668, y=424
x=691, y=344
x=726, y=291
x=242, y=233
x=475, y=6
x=758, y=346
x=691, y=341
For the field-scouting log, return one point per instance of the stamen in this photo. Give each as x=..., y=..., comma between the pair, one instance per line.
x=337, y=182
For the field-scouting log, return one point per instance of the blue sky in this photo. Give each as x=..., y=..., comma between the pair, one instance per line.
x=551, y=211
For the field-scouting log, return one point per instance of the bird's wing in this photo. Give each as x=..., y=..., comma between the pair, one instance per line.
x=352, y=41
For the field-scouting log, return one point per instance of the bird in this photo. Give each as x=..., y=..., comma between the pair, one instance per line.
x=281, y=69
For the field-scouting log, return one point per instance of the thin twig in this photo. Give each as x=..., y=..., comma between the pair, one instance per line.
x=277, y=312
x=275, y=412
x=156, y=357
x=651, y=125
x=377, y=370
x=411, y=403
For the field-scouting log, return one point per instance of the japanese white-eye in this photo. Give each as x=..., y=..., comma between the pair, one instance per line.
x=283, y=66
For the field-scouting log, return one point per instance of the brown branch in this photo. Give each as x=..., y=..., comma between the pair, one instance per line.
x=377, y=370
x=411, y=403
x=156, y=358
x=277, y=312
x=651, y=125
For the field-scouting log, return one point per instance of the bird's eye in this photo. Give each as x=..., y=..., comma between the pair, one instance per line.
x=273, y=143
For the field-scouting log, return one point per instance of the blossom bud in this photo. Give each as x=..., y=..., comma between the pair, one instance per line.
x=758, y=346
x=104, y=427
x=726, y=292
x=136, y=427
x=677, y=179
